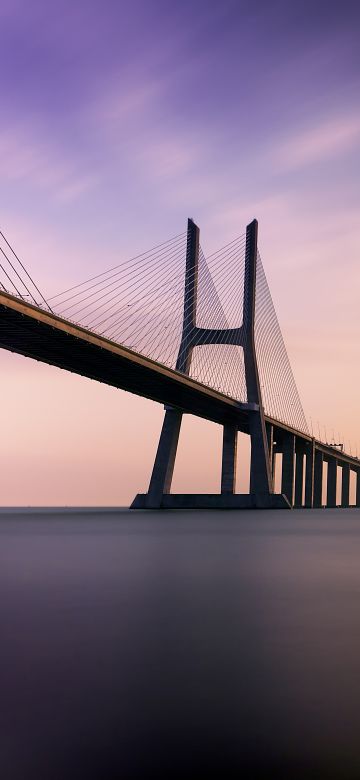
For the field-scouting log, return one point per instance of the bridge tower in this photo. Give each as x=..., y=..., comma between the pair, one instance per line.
x=261, y=479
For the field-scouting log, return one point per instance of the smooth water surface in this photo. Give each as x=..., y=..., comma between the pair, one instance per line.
x=179, y=645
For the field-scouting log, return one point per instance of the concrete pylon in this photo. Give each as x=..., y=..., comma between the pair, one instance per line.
x=261, y=482
x=162, y=474
x=261, y=478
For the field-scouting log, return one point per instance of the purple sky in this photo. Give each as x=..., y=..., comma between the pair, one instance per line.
x=120, y=120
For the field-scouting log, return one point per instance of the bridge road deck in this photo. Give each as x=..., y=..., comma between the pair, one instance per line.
x=33, y=332
x=46, y=337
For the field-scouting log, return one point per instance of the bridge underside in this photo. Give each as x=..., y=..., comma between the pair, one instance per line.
x=29, y=331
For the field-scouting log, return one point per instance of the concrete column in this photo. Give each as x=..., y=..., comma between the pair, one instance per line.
x=345, y=485
x=318, y=478
x=273, y=467
x=183, y=362
x=270, y=437
x=288, y=467
x=299, y=476
x=331, y=483
x=358, y=487
x=260, y=471
x=228, y=471
x=309, y=474
x=270, y=440
x=163, y=470
x=260, y=477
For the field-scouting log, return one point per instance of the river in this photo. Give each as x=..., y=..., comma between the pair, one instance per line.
x=179, y=645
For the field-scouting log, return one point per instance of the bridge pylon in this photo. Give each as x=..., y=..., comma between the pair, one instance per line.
x=261, y=475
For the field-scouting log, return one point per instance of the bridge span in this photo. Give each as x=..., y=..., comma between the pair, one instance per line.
x=36, y=331
x=41, y=335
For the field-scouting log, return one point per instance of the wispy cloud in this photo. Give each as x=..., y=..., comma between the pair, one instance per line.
x=170, y=155
x=120, y=105
x=24, y=157
x=318, y=143
x=132, y=119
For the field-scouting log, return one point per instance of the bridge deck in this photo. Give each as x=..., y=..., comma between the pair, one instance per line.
x=33, y=332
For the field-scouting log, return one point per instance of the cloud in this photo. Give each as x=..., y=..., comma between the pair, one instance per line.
x=170, y=155
x=318, y=143
x=120, y=105
x=24, y=157
x=133, y=121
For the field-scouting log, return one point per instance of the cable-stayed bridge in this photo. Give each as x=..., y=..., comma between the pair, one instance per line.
x=199, y=335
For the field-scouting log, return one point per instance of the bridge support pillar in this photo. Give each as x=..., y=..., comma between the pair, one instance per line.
x=273, y=468
x=299, y=475
x=270, y=441
x=358, y=487
x=260, y=467
x=228, y=470
x=345, y=485
x=261, y=476
x=163, y=470
x=288, y=468
x=309, y=475
x=318, y=479
x=331, y=483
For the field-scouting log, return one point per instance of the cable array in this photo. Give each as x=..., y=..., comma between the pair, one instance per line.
x=279, y=392
x=219, y=306
x=140, y=304
x=14, y=277
x=137, y=303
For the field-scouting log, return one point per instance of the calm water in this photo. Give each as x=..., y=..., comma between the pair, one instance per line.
x=180, y=646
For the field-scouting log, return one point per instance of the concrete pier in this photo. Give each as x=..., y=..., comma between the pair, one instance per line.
x=288, y=468
x=345, y=485
x=318, y=479
x=270, y=441
x=229, y=452
x=331, y=483
x=299, y=475
x=309, y=474
x=163, y=470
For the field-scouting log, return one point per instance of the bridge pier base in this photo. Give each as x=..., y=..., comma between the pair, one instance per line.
x=214, y=501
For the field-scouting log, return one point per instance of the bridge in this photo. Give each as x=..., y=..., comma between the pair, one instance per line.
x=199, y=335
